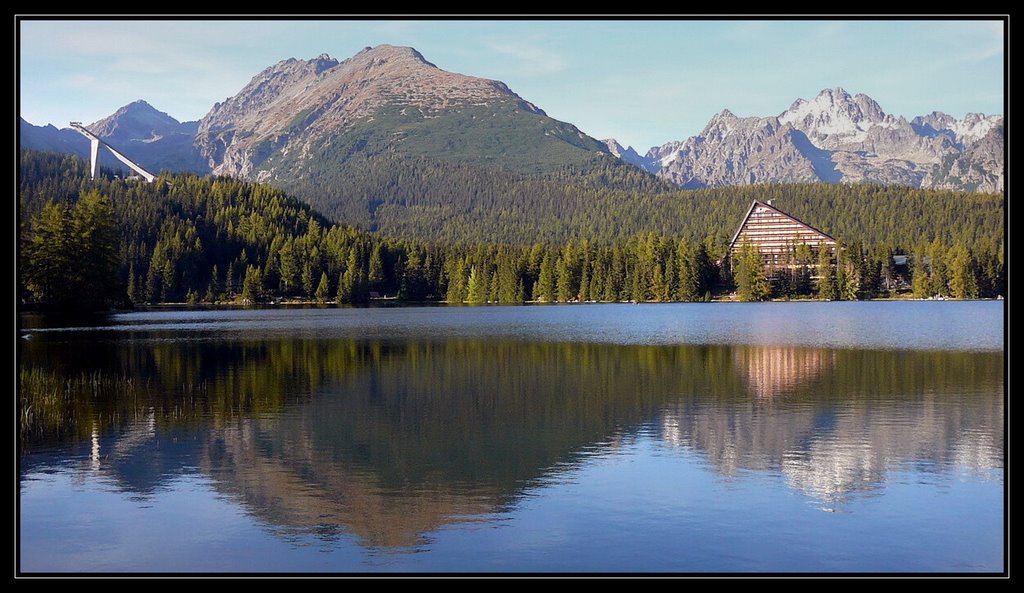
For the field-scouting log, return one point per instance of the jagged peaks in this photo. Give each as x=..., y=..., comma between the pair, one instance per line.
x=629, y=155
x=835, y=136
x=965, y=132
x=834, y=116
x=838, y=93
x=988, y=122
x=934, y=116
x=824, y=99
x=724, y=120
x=614, y=147
x=323, y=62
x=617, y=148
x=292, y=65
x=869, y=107
x=724, y=114
x=834, y=104
x=839, y=96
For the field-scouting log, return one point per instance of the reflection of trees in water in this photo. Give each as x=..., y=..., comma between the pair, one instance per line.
x=392, y=440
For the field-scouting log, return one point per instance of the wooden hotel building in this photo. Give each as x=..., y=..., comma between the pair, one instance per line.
x=775, y=235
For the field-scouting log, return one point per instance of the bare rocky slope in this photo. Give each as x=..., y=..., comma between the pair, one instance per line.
x=836, y=137
x=297, y=115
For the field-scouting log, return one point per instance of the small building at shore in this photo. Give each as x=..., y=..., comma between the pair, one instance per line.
x=776, y=236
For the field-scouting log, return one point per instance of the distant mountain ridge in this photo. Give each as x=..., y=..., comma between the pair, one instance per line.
x=836, y=137
x=150, y=137
x=628, y=154
x=302, y=124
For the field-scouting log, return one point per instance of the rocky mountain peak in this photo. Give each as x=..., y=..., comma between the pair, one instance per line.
x=296, y=102
x=138, y=130
x=838, y=137
x=395, y=55
x=614, y=147
x=836, y=92
x=833, y=96
x=726, y=123
x=962, y=132
x=323, y=62
x=975, y=126
x=136, y=120
x=138, y=106
x=721, y=123
x=834, y=118
x=833, y=106
x=629, y=155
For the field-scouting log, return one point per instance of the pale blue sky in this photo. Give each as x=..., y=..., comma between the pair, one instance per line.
x=642, y=82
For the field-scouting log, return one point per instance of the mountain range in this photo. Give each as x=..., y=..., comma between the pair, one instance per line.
x=346, y=134
x=150, y=137
x=835, y=137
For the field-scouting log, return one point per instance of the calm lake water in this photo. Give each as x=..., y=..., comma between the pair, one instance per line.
x=671, y=438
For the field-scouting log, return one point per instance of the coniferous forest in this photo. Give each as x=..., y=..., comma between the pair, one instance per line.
x=440, y=232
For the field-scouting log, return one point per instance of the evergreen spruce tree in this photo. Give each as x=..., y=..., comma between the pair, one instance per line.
x=307, y=279
x=287, y=267
x=545, y=287
x=94, y=279
x=751, y=282
x=341, y=296
x=475, y=291
x=376, y=274
x=213, y=291
x=133, y=294
x=705, y=269
x=457, y=276
x=687, y=277
x=252, y=285
x=938, y=276
x=963, y=282
x=229, y=280
x=563, y=273
x=323, y=289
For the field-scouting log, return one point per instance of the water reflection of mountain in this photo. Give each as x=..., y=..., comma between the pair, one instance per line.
x=834, y=422
x=390, y=441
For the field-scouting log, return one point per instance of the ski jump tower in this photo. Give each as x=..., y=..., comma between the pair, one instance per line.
x=94, y=151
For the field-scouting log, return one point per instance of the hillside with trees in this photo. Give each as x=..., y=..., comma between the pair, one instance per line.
x=187, y=238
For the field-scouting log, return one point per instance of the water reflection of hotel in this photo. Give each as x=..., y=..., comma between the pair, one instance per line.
x=769, y=372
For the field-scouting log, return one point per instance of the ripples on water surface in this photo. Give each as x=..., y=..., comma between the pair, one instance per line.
x=681, y=438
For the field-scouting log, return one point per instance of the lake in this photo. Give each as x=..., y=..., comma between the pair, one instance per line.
x=680, y=438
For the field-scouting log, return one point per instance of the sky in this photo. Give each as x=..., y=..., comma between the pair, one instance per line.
x=644, y=83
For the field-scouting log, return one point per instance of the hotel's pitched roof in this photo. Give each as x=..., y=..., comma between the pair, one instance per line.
x=799, y=231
